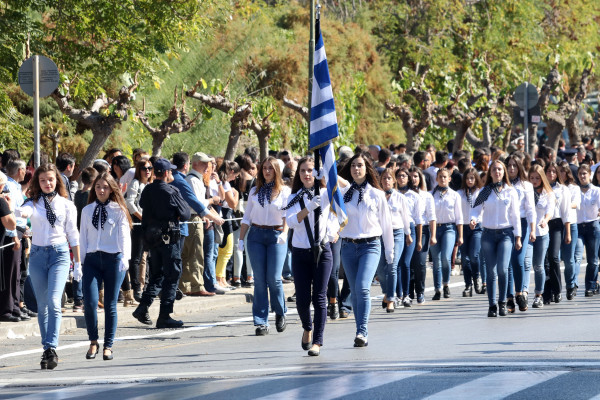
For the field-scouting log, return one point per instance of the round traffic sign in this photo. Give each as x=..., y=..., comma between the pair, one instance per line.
x=532, y=95
x=49, y=78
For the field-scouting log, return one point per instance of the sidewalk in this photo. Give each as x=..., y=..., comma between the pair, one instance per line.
x=187, y=305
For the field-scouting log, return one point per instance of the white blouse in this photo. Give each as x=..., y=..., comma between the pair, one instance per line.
x=590, y=202
x=526, y=200
x=500, y=211
x=466, y=207
x=328, y=223
x=414, y=205
x=399, y=211
x=271, y=214
x=65, y=228
x=369, y=218
x=546, y=205
x=114, y=238
x=563, y=203
x=134, y=192
x=448, y=208
x=428, y=214
x=575, y=201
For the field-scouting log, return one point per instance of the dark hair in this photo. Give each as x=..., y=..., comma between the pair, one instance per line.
x=227, y=167
x=564, y=166
x=464, y=164
x=64, y=160
x=384, y=155
x=9, y=155
x=422, y=184
x=138, y=170
x=520, y=170
x=88, y=175
x=391, y=172
x=473, y=171
x=122, y=162
x=555, y=166
x=252, y=152
x=136, y=152
x=418, y=157
x=297, y=182
x=34, y=188
x=180, y=159
x=584, y=167
x=441, y=157
x=361, y=148
x=371, y=175
x=100, y=167
x=115, y=194
x=111, y=152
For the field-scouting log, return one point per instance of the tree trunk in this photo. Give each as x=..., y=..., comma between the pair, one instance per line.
x=157, y=143
x=263, y=146
x=100, y=136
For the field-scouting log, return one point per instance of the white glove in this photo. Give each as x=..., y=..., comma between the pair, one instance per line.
x=314, y=204
x=390, y=257
x=241, y=245
x=282, y=238
x=318, y=174
x=123, y=265
x=77, y=272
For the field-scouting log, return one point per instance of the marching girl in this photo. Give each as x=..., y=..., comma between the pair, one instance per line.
x=266, y=244
x=519, y=267
x=54, y=226
x=106, y=250
x=413, y=211
x=588, y=229
x=368, y=219
x=497, y=209
x=470, y=249
x=427, y=218
x=403, y=232
x=544, y=210
x=558, y=225
x=310, y=275
x=567, y=250
x=448, y=211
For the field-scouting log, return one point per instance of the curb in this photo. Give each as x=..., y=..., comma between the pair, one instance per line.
x=187, y=305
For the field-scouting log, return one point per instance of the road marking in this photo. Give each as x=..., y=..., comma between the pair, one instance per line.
x=496, y=386
x=343, y=386
x=73, y=391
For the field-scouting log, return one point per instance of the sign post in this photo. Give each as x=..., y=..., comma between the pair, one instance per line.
x=38, y=77
x=526, y=96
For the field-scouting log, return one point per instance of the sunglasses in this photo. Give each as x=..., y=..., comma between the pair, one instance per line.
x=148, y=168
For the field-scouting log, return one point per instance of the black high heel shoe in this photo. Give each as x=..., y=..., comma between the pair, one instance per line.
x=306, y=345
x=91, y=356
x=108, y=357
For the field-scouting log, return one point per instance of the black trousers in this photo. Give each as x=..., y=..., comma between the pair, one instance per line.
x=137, y=251
x=553, y=284
x=165, y=271
x=311, y=281
x=418, y=265
x=10, y=277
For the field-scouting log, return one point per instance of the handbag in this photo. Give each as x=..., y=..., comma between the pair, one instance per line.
x=218, y=233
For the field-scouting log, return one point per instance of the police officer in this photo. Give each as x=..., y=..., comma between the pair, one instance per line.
x=164, y=208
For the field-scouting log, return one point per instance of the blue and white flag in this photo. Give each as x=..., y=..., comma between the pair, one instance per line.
x=323, y=125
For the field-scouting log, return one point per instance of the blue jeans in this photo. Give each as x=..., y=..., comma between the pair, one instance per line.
x=469, y=253
x=403, y=285
x=360, y=263
x=441, y=253
x=520, y=265
x=568, y=256
x=539, y=247
x=49, y=270
x=388, y=273
x=267, y=258
x=496, y=247
x=589, y=233
x=100, y=266
x=210, y=261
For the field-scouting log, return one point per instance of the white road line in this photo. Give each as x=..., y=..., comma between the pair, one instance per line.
x=342, y=386
x=496, y=386
x=73, y=391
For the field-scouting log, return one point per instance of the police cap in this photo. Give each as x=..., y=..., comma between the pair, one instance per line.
x=162, y=164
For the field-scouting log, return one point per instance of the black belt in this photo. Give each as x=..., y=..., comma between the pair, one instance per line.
x=361, y=240
x=447, y=223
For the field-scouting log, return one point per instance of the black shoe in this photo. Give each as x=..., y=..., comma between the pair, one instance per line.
x=437, y=295
x=521, y=302
x=51, y=358
x=589, y=293
x=493, y=311
x=305, y=345
x=142, y=315
x=334, y=312
x=547, y=301
x=510, y=305
x=168, y=323
x=468, y=292
x=280, y=323
x=557, y=298
x=476, y=286
x=383, y=304
x=107, y=357
x=236, y=284
x=483, y=289
x=502, y=308
x=292, y=298
x=179, y=294
x=446, y=292
x=262, y=330
x=10, y=318
x=91, y=356
x=217, y=291
x=360, y=341
x=44, y=362
x=121, y=298
x=23, y=316
x=137, y=296
x=27, y=311
x=344, y=313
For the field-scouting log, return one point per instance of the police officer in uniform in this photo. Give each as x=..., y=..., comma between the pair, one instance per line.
x=164, y=208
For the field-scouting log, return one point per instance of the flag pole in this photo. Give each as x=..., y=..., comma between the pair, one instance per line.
x=311, y=50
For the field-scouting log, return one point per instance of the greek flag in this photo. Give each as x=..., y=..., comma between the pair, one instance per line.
x=323, y=125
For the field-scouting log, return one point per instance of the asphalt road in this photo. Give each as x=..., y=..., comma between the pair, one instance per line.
x=446, y=349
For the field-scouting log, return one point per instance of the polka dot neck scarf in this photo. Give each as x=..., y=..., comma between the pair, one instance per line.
x=100, y=214
x=353, y=187
x=265, y=193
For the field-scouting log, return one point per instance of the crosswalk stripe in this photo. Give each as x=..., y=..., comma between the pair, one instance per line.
x=496, y=386
x=74, y=391
x=343, y=386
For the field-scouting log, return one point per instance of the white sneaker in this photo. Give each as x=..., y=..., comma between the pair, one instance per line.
x=360, y=341
x=219, y=287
